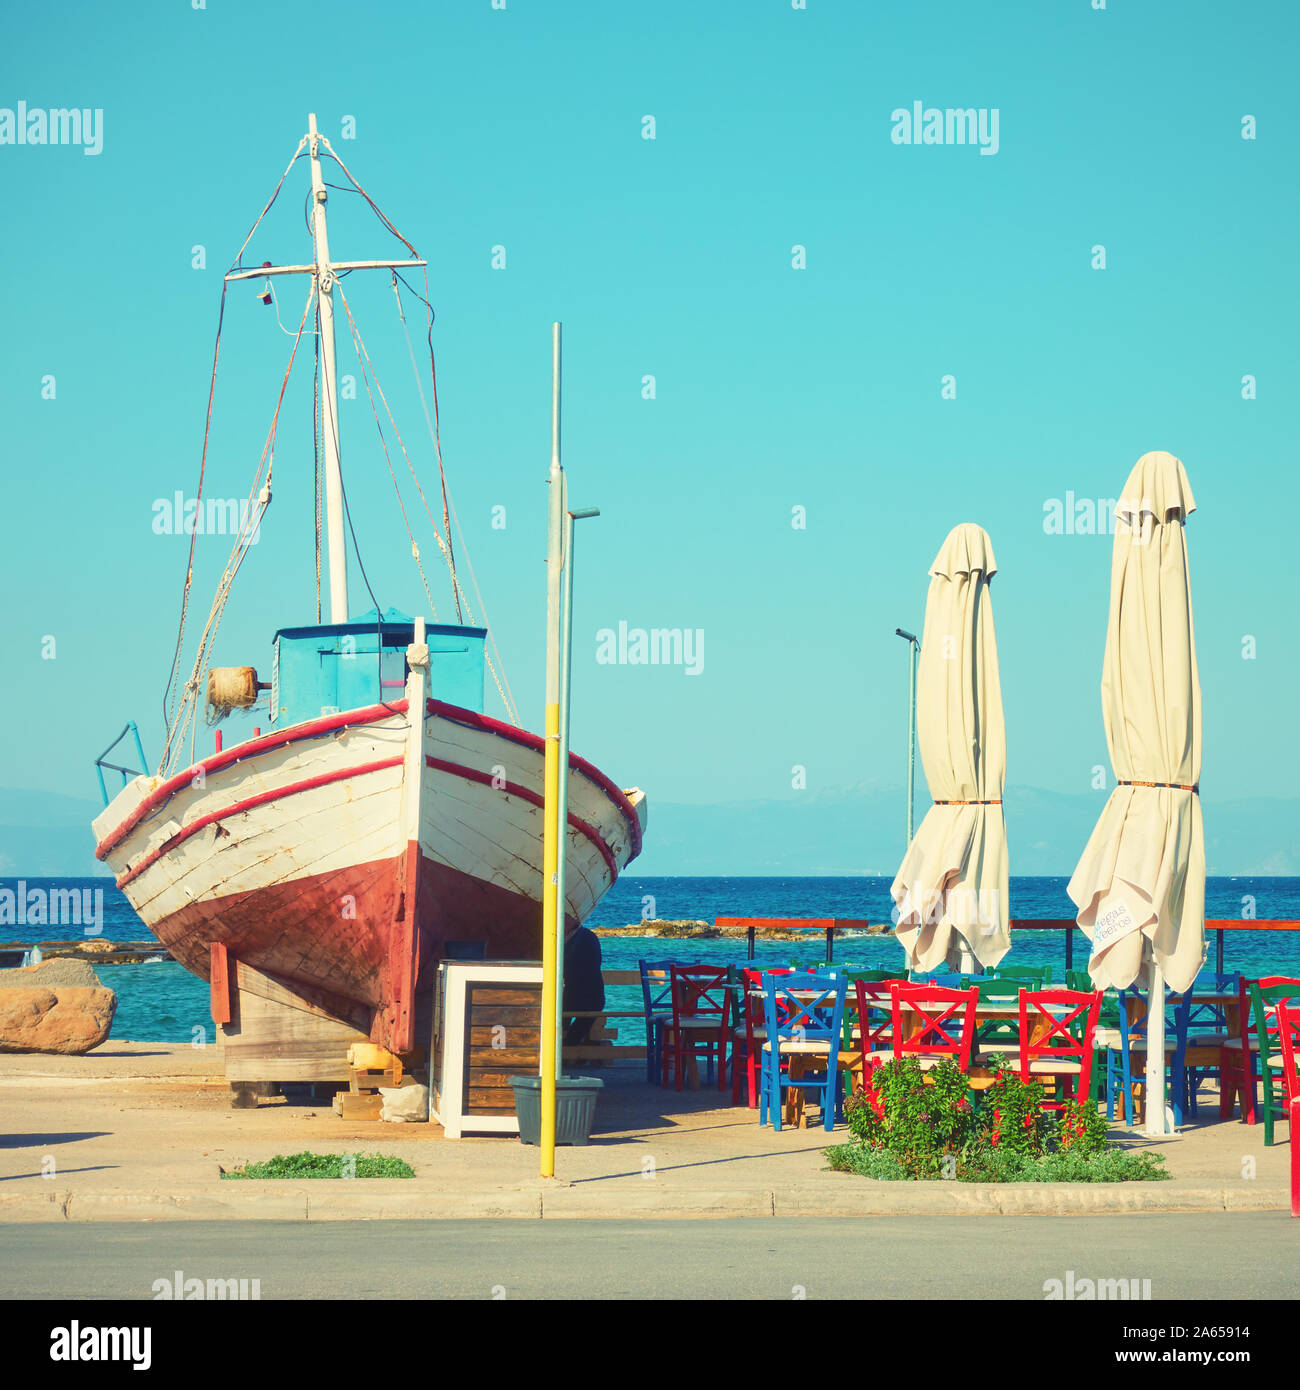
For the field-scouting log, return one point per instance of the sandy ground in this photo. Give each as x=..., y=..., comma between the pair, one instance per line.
x=156, y=1119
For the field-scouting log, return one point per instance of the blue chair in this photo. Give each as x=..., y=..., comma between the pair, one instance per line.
x=803, y=1014
x=657, y=994
x=1207, y=1027
x=1130, y=1064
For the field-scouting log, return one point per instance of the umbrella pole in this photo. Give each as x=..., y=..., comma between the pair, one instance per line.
x=1155, y=1125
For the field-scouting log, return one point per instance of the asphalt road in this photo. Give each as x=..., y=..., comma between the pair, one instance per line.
x=1219, y=1255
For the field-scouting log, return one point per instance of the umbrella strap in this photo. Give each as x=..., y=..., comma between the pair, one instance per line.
x=997, y=802
x=1175, y=786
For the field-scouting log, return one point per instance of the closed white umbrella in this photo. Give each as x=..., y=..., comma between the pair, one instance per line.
x=951, y=888
x=1140, y=884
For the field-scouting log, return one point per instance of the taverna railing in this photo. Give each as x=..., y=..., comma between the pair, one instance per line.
x=832, y=927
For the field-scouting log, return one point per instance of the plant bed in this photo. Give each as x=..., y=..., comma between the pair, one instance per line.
x=931, y=1125
x=310, y=1165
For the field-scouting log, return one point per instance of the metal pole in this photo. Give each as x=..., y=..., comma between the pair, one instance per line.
x=911, y=743
x=550, y=825
x=1155, y=1124
x=562, y=809
x=914, y=641
x=338, y=558
x=144, y=766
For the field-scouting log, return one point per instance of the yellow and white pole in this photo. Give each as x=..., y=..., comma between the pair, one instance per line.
x=552, y=841
x=562, y=809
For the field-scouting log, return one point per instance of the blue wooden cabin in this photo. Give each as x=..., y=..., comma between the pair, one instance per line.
x=332, y=667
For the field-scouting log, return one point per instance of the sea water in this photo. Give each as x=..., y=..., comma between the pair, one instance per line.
x=163, y=1002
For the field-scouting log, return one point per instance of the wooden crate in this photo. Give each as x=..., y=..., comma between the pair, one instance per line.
x=486, y=1029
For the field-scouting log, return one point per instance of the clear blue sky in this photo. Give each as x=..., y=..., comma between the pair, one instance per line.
x=775, y=387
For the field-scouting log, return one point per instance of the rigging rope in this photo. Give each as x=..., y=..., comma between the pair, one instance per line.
x=251, y=519
x=363, y=361
x=170, y=711
x=448, y=505
x=180, y=703
x=507, y=698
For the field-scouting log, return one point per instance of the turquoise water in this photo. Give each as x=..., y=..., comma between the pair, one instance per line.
x=162, y=1002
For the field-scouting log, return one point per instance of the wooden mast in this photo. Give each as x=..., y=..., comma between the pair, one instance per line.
x=338, y=558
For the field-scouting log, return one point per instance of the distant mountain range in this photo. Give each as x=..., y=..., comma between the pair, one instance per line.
x=854, y=831
x=44, y=834
x=863, y=830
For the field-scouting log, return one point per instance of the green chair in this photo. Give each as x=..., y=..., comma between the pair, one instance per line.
x=1265, y=995
x=1034, y=976
x=997, y=1034
x=1107, y=1033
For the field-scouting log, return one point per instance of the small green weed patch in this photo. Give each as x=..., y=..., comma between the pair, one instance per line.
x=310, y=1165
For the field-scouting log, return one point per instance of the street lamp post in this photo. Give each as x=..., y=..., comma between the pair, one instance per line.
x=915, y=645
x=562, y=807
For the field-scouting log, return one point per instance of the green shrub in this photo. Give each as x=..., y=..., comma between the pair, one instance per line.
x=310, y=1165
x=1011, y=1113
x=931, y=1125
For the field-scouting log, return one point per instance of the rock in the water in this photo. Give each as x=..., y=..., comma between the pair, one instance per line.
x=68, y=1019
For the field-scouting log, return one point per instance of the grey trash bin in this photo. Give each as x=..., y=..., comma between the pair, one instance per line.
x=575, y=1107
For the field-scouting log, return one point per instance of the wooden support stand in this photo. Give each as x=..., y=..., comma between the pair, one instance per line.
x=369, y=1068
x=275, y=1030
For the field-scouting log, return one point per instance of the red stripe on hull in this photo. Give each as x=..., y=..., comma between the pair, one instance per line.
x=523, y=737
x=309, y=728
x=486, y=779
x=308, y=784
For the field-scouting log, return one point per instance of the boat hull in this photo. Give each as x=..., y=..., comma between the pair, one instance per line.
x=343, y=854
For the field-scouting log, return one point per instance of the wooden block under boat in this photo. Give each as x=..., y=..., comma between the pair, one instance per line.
x=276, y=1034
x=363, y=1079
x=350, y=1106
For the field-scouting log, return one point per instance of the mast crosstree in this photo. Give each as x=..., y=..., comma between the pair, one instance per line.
x=326, y=274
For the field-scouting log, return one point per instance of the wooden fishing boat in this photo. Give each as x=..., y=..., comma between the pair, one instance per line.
x=326, y=862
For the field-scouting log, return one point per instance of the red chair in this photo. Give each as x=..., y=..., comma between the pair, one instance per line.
x=942, y=1023
x=875, y=999
x=1288, y=1033
x=1058, y=1029
x=1238, y=1056
x=1236, y=1068
x=749, y=1045
x=1295, y=1160
x=1288, y=1036
x=701, y=1019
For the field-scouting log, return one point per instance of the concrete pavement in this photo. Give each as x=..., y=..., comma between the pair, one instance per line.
x=140, y=1132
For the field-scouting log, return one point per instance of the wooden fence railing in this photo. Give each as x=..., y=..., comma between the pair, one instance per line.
x=832, y=926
